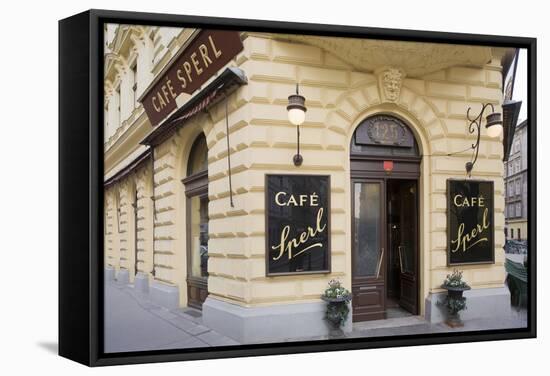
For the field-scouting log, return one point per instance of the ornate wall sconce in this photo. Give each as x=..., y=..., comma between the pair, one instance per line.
x=296, y=115
x=493, y=123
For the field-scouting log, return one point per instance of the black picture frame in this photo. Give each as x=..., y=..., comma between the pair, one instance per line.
x=81, y=195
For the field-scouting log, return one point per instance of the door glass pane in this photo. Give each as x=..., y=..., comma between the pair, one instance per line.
x=367, y=229
x=198, y=157
x=199, y=237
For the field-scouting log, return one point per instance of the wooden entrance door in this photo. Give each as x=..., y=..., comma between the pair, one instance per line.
x=384, y=167
x=369, y=243
x=408, y=245
x=385, y=247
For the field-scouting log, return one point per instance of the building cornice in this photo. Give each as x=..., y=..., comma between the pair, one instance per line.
x=125, y=141
x=413, y=58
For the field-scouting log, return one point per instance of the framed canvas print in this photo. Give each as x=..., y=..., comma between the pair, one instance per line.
x=241, y=187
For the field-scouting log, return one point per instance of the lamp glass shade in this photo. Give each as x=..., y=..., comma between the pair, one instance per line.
x=494, y=130
x=296, y=116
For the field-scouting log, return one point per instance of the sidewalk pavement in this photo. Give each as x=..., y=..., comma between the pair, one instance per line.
x=134, y=323
x=407, y=325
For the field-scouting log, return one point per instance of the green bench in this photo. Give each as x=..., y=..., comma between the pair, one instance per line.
x=517, y=282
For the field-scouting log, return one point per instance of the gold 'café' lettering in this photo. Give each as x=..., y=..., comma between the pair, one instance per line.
x=300, y=200
x=198, y=60
x=460, y=200
x=475, y=235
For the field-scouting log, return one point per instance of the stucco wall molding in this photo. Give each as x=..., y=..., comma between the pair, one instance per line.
x=352, y=105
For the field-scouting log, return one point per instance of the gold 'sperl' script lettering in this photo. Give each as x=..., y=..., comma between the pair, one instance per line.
x=465, y=241
x=296, y=246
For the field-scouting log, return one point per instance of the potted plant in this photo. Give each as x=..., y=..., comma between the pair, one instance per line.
x=454, y=302
x=337, y=298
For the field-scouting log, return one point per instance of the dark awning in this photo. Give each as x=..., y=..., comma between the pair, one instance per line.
x=510, y=114
x=228, y=81
x=128, y=169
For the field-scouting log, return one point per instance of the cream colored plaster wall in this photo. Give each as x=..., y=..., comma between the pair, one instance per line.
x=338, y=98
x=170, y=248
x=110, y=231
x=144, y=219
x=262, y=141
x=120, y=239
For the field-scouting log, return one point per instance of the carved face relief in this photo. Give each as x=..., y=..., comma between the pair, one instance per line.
x=391, y=83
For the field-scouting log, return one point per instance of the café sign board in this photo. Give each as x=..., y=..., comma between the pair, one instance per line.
x=470, y=222
x=297, y=224
x=207, y=53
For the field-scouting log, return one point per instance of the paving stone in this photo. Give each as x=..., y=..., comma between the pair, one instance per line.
x=384, y=328
x=149, y=306
x=185, y=314
x=134, y=323
x=301, y=339
x=216, y=339
x=163, y=313
x=191, y=342
x=129, y=327
x=188, y=325
x=193, y=313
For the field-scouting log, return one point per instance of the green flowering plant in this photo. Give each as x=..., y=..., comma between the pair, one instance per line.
x=454, y=280
x=454, y=304
x=337, y=298
x=336, y=291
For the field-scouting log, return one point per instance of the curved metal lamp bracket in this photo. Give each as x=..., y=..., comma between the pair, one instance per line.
x=475, y=125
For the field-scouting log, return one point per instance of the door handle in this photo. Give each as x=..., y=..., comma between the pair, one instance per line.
x=399, y=251
x=379, y=263
x=362, y=288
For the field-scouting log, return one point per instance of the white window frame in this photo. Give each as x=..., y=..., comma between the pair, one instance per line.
x=134, y=72
x=517, y=146
x=119, y=99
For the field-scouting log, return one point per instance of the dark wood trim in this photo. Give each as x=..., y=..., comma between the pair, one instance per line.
x=197, y=176
x=416, y=308
x=383, y=175
x=196, y=184
x=370, y=167
x=135, y=206
x=418, y=256
x=374, y=283
x=384, y=234
x=401, y=158
x=194, y=282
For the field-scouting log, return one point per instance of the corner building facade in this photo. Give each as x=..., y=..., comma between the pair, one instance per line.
x=172, y=232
